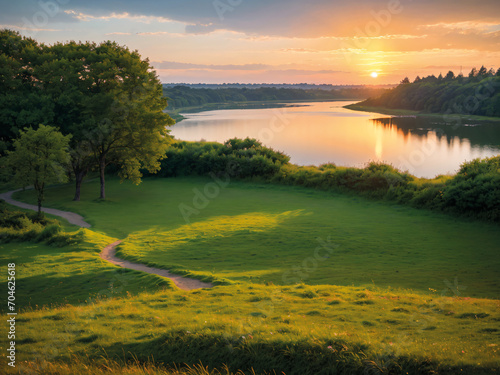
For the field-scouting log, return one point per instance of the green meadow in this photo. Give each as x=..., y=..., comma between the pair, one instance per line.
x=270, y=234
x=305, y=281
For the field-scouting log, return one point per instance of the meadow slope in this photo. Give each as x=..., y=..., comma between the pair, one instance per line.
x=308, y=282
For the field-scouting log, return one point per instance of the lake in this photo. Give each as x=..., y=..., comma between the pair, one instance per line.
x=322, y=132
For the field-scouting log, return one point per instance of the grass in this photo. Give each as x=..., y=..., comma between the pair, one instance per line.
x=284, y=330
x=394, y=290
x=267, y=233
x=49, y=276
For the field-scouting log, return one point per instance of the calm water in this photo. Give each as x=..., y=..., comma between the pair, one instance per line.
x=322, y=132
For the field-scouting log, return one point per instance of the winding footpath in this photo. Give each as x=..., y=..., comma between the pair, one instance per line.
x=70, y=216
x=109, y=252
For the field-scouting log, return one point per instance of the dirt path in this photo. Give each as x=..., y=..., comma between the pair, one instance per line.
x=184, y=283
x=108, y=253
x=70, y=216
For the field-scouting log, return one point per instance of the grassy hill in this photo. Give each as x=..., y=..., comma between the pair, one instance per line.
x=309, y=282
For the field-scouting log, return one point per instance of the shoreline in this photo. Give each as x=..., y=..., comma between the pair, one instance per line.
x=445, y=117
x=178, y=117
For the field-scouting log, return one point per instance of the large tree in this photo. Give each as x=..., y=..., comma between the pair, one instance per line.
x=128, y=125
x=112, y=102
x=22, y=103
x=39, y=158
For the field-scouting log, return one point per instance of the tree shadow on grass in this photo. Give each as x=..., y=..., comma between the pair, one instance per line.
x=290, y=356
x=82, y=288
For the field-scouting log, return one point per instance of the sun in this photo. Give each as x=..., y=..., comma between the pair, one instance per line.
x=374, y=74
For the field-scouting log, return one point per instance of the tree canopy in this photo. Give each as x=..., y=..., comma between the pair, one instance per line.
x=183, y=96
x=106, y=96
x=39, y=158
x=478, y=94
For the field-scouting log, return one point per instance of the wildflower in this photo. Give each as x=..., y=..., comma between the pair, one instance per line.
x=243, y=337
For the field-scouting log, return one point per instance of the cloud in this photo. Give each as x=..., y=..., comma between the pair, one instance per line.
x=118, y=33
x=261, y=68
x=201, y=29
x=301, y=50
x=173, y=65
x=27, y=28
x=288, y=18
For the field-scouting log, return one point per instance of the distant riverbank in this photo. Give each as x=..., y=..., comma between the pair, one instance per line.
x=176, y=114
x=446, y=117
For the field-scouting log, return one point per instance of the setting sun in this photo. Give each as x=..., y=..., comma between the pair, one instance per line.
x=374, y=74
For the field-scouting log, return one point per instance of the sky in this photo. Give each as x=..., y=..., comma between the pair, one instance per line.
x=277, y=41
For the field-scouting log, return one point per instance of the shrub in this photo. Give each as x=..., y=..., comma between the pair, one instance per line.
x=19, y=226
x=475, y=190
x=245, y=158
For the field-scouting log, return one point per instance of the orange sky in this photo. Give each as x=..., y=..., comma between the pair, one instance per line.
x=292, y=41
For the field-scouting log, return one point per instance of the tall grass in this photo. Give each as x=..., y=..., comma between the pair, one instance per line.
x=265, y=329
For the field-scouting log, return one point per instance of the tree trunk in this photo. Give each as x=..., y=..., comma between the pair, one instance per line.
x=79, y=176
x=102, y=167
x=39, y=206
x=40, y=199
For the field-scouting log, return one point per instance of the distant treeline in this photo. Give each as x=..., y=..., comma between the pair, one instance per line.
x=476, y=94
x=302, y=86
x=473, y=192
x=183, y=96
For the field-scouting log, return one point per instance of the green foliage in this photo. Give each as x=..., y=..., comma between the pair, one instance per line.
x=236, y=157
x=475, y=190
x=105, y=95
x=19, y=226
x=20, y=104
x=112, y=101
x=478, y=94
x=38, y=159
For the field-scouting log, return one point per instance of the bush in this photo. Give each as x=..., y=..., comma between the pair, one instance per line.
x=245, y=158
x=475, y=190
x=19, y=226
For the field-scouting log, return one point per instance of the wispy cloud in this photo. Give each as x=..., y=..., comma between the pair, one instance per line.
x=21, y=28
x=85, y=17
x=187, y=66
x=118, y=33
x=482, y=27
